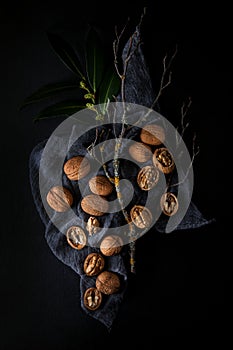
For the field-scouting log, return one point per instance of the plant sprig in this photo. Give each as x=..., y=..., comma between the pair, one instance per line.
x=97, y=80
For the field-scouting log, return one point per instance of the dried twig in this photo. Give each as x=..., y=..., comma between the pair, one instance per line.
x=179, y=137
x=166, y=76
x=116, y=44
x=116, y=164
x=183, y=123
x=91, y=148
x=195, y=152
x=130, y=52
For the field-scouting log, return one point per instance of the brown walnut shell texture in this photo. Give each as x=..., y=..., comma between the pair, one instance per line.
x=163, y=160
x=100, y=185
x=94, y=205
x=140, y=152
x=152, y=134
x=93, y=225
x=141, y=216
x=76, y=237
x=59, y=198
x=76, y=168
x=148, y=177
x=92, y=298
x=111, y=245
x=108, y=282
x=93, y=264
x=169, y=204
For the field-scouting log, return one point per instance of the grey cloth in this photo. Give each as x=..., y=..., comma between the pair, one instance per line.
x=138, y=90
x=73, y=258
x=138, y=84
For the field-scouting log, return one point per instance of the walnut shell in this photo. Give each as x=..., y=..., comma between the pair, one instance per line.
x=92, y=298
x=94, y=205
x=108, y=282
x=59, y=198
x=148, y=177
x=141, y=216
x=169, y=204
x=111, y=245
x=93, y=225
x=152, y=134
x=140, y=152
x=93, y=264
x=76, y=168
x=163, y=160
x=76, y=237
x=100, y=185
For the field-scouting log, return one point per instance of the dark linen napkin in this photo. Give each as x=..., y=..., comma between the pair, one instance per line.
x=138, y=90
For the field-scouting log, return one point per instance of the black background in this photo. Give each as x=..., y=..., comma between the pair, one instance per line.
x=183, y=284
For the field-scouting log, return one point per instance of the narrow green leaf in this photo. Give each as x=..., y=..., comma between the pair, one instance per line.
x=109, y=87
x=48, y=91
x=60, y=109
x=66, y=53
x=94, y=59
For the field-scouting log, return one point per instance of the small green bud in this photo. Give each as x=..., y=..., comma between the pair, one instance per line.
x=89, y=96
x=83, y=85
x=90, y=106
x=99, y=117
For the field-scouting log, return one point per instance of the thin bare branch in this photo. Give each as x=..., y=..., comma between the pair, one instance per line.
x=131, y=50
x=91, y=148
x=116, y=44
x=195, y=152
x=183, y=123
x=166, y=76
x=184, y=111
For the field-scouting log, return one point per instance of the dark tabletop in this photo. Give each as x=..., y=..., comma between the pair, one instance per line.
x=190, y=272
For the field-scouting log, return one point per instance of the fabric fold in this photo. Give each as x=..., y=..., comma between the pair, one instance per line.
x=74, y=258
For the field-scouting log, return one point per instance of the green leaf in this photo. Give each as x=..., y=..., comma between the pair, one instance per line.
x=109, y=87
x=94, y=59
x=60, y=109
x=66, y=53
x=48, y=91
